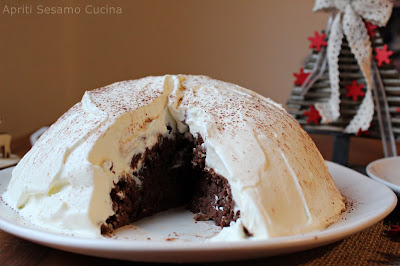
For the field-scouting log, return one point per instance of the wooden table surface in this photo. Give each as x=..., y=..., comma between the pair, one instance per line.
x=15, y=251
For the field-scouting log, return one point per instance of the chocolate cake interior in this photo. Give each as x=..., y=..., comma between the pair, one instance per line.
x=172, y=174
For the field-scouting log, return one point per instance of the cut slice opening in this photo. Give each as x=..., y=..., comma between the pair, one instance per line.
x=172, y=173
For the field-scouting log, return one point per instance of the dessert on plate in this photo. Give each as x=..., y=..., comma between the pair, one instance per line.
x=138, y=147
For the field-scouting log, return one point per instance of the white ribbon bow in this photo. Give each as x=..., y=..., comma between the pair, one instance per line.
x=349, y=21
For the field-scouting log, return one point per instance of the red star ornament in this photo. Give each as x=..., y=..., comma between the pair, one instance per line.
x=371, y=28
x=300, y=77
x=382, y=55
x=398, y=109
x=317, y=41
x=363, y=132
x=354, y=90
x=312, y=115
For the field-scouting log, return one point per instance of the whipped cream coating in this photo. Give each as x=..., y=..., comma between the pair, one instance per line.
x=279, y=180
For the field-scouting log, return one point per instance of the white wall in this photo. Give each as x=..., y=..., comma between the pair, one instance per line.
x=47, y=62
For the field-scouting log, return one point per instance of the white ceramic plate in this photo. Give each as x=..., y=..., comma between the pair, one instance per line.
x=386, y=171
x=178, y=238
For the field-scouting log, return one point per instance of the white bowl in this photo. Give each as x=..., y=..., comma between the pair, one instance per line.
x=386, y=171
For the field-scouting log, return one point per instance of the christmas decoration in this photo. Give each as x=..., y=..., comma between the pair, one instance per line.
x=348, y=75
x=382, y=55
x=317, y=41
x=313, y=115
x=354, y=90
x=300, y=77
x=370, y=29
x=362, y=133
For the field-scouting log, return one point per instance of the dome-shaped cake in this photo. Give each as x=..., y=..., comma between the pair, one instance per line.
x=134, y=148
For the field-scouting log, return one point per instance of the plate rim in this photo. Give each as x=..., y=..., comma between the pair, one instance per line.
x=392, y=186
x=290, y=243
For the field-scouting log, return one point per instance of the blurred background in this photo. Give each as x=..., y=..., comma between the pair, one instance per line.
x=49, y=60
